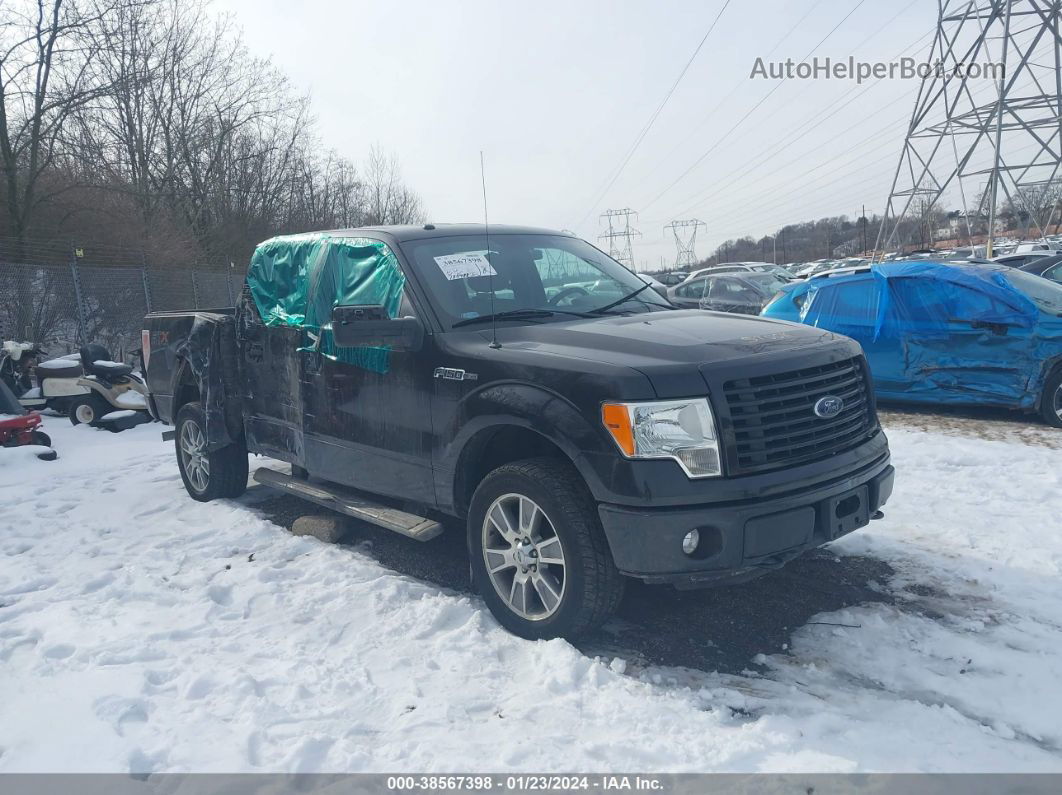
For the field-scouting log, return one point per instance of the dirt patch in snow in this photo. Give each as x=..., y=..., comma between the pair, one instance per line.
x=996, y=425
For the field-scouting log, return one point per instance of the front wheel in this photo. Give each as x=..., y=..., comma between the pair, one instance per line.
x=88, y=410
x=1051, y=401
x=207, y=474
x=539, y=555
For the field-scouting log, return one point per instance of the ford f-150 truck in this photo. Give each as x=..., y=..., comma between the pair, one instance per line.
x=521, y=380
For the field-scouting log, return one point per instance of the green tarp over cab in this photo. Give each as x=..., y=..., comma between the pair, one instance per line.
x=296, y=280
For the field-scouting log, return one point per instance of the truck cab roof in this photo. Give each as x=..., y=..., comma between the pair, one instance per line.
x=405, y=232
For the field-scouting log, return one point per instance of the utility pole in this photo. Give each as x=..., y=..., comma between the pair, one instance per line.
x=685, y=234
x=620, y=235
x=862, y=218
x=954, y=134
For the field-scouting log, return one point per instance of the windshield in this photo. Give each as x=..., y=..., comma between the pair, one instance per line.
x=1046, y=294
x=778, y=270
x=766, y=283
x=532, y=275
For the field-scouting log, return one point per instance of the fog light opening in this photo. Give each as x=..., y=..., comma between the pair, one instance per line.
x=690, y=541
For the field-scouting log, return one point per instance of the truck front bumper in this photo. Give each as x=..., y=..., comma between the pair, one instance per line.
x=741, y=539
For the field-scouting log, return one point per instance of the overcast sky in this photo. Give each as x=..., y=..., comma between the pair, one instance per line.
x=555, y=94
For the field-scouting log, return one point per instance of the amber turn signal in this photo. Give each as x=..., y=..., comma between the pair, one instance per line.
x=617, y=419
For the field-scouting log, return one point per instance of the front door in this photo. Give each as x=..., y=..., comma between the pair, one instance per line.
x=367, y=410
x=688, y=295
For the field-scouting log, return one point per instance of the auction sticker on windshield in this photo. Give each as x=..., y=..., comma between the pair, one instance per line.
x=464, y=266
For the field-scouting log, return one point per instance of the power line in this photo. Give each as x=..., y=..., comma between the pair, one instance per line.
x=740, y=84
x=748, y=113
x=652, y=119
x=756, y=200
x=815, y=121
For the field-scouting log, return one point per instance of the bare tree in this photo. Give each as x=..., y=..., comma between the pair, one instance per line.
x=388, y=200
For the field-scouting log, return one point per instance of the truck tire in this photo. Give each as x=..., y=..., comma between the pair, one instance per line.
x=1051, y=401
x=88, y=410
x=550, y=571
x=207, y=475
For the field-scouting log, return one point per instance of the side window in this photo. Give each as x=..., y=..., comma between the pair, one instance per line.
x=694, y=289
x=1055, y=273
x=732, y=290
x=966, y=303
x=850, y=308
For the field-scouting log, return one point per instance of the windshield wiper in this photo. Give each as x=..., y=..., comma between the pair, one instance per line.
x=516, y=314
x=602, y=309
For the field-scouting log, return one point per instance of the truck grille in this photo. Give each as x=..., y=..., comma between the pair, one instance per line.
x=774, y=420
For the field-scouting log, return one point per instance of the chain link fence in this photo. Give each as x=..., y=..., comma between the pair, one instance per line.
x=61, y=307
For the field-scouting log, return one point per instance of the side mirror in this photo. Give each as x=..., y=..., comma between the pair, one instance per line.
x=369, y=325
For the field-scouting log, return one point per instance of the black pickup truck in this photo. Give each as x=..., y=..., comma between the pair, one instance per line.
x=519, y=379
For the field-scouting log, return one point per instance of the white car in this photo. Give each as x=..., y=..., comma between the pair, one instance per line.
x=1036, y=247
x=743, y=267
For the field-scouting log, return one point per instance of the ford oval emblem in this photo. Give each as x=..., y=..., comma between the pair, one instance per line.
x=829, y=406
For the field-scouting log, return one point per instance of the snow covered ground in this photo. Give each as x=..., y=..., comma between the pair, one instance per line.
x=142, y=631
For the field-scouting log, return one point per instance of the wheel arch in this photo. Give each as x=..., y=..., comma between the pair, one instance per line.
x=185, y=387
x=1051, y=366
x=496, y=445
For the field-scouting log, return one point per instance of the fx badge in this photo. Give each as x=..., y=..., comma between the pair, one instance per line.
x=453, y=374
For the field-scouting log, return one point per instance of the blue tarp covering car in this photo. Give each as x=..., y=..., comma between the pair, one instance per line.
x=935, y=332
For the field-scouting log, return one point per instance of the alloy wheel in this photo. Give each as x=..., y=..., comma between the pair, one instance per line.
x=524, y=557
x=193, y=455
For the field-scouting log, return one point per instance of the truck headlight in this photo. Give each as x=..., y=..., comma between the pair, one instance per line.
x=683, y=430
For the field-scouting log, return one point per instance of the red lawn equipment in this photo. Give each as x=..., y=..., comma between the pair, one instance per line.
x=18, y=428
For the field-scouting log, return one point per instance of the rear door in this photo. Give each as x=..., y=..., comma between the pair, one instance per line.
x=960, y=343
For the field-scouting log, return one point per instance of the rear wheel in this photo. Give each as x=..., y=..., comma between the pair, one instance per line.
x=1051, y=401
x=88, y=410
x=539, y=556
x=207, y=474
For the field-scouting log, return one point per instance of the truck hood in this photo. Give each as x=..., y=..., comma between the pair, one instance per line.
x=669, y=347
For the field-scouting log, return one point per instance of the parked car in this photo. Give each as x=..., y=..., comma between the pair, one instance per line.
x=1047, y=267
x=819, y=266
x=945, y=333
x=657, y=285
x=740, y=293
x=1036, y=246
x=671, y=278
x=744, y=267
x=410, y=375
x=1028, y=258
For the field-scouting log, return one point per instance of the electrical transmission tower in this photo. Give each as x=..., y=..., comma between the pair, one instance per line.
x=620, y=235
x=685, y=234
x=987, y=118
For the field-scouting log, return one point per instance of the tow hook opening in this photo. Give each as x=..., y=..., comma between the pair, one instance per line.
x=847, y=507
